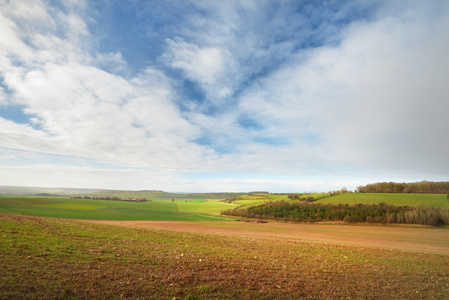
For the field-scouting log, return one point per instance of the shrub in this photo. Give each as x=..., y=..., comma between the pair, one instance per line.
x=349, y=219
x=369, y=219
x=436, y=221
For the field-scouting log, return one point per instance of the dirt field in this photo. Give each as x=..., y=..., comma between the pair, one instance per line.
x=50, y=258
x=425, y=240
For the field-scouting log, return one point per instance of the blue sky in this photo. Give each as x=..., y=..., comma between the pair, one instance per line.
x=197, y=96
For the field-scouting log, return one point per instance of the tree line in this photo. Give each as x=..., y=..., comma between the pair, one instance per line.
x=112, y=198
x=373, y=213
x=423, y=187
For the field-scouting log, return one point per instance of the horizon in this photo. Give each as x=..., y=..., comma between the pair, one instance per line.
x=144, y=190
x=192, y=96
x=215, y=192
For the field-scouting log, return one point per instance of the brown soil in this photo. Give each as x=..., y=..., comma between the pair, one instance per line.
x=426, y=240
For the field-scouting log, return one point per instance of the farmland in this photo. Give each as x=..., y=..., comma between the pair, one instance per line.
x=94, y=209
x=57, y=258
x=179, y=246
x=185, y=207
x=398, y=208
x=255, y=199
x=435, y=200
x=398, y=199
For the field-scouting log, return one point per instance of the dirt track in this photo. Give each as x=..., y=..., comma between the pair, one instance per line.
x=426, y=240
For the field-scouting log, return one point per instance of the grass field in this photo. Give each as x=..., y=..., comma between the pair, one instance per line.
x=92, y=209
x=184, y=208
x=436, y=200
x=251, y=201
x=43, y=258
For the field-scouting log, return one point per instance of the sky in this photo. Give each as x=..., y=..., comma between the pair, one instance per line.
x=200, y=96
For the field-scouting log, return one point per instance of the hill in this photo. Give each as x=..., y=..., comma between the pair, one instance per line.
x=161, y=195
x=399, y=199
x=24, y=190
x=423, y=209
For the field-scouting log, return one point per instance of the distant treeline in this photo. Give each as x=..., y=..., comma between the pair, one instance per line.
x=374, y=213
x=423, y=187
x=112, y=198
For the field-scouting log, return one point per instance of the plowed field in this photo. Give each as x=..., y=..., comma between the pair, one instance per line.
x=417, y=239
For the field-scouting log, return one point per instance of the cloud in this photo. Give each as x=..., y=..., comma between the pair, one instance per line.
x=375, y=100
x=397, y=92
x=71, y=176
x=35, y=33
x=76, y=108
x=207, y=66
x=3, y=97
x=84, y=111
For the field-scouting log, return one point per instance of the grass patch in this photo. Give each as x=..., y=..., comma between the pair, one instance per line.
x=252, y=201
x=277, y=197
x=53, y=258
x=80, y=206
x=204, y=206
x=436, y=200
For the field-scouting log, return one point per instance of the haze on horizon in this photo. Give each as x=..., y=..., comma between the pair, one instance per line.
x=198, y=96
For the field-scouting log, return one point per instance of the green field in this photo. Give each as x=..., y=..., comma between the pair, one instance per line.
x=43, y=258
x=436, y=200
x=251, y=201
x=185, y=207
x=92, y=209
x=254, y=199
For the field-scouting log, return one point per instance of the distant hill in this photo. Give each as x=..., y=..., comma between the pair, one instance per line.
x=156, y=194
x=149, y=194
x=44, y=191
x=128, y=194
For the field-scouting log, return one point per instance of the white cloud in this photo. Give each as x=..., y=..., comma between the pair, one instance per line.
x=376, y=100
x=70, y=176
x=78, y=109
x=208, y=66
x=3, y=97
x=397, y=93
x=111, y=62
x=20, y=136
x=34, y=33
x=87, y=112
x=11, y=44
